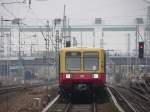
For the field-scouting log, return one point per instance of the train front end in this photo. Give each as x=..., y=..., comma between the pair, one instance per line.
x=82, y=70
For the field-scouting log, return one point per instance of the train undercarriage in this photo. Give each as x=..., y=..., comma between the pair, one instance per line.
x=80, y=89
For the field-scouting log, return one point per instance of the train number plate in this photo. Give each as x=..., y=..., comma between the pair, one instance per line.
x=81, y=76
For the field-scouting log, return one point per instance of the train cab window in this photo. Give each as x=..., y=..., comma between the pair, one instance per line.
x=91, y=61
x=73, y=60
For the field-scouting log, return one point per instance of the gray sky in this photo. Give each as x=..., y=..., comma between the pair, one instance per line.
x=86, y=10
x=83, y=12
x=80, y=11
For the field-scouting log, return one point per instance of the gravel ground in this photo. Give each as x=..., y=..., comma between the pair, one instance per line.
x=28, y=100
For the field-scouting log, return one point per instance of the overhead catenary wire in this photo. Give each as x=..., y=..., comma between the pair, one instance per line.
x=12, y=14
x=45, y=36
x=3, y=4
x=9, y=3
x=17, y=2
x=28, y=10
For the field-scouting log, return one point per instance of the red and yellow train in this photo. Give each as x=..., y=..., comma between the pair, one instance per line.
x=81, y=70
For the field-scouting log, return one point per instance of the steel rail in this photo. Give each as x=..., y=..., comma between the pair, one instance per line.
x=68, y=107
x=135, y=92
x=94, y=107
x=81, y=107
x=51, y=103
x=71, y=107
x=8, y=89
x=140, y=95
x=124, y=99
x=120, y=109
x=141, y=106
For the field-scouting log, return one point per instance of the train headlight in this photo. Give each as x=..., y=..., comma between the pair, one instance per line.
x=68, y=76
x=95, y=76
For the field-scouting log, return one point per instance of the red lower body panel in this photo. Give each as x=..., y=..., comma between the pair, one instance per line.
x=87, y=78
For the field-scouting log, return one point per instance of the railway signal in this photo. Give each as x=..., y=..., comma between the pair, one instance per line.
x=67, y=41
x=141, y=49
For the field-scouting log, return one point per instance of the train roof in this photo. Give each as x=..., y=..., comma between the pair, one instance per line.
x=81, y=48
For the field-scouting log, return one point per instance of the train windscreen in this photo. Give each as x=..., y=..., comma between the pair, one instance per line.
x=91, y=61
x=73, y=61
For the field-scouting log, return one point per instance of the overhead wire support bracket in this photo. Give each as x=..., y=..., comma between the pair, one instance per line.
x=17, y=2
x=45, y=37
x=5, y=3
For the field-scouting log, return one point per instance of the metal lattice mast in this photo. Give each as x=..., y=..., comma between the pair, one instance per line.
x=2, y=38
x=64, y=26
x=147, y=43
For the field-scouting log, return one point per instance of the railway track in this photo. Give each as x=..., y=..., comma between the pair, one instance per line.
x=137, y=93
x=71, y=107
x=130, y=100
x=61, y=105
x=10, y=89
x=140, y=102
x=13, y=88
x=120, y=101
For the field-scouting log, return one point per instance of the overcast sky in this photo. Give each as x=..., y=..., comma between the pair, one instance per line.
x=80, y=11
x=83, y=12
